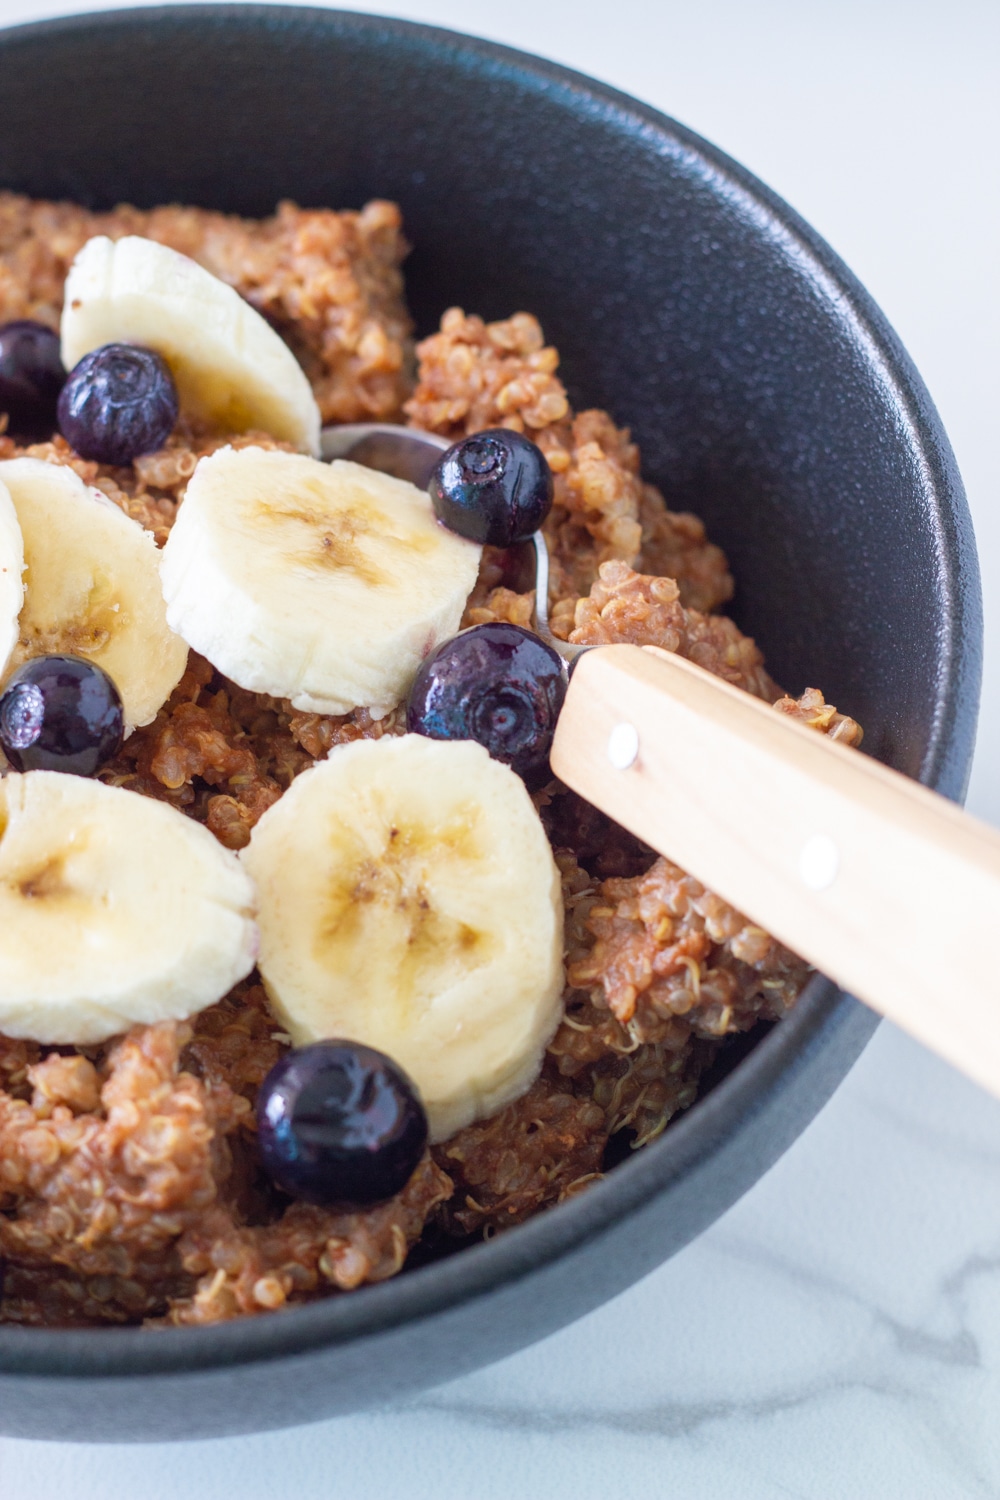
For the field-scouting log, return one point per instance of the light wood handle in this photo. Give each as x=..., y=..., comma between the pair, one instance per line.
x=885, y=886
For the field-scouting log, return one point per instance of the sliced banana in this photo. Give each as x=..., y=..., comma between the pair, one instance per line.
x=232, y=370
x=409, y=900
x=323, y=583
x=114, y=909
x=11, y=569
x=92, y=586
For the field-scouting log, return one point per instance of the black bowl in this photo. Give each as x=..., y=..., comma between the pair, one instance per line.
x=768, y=395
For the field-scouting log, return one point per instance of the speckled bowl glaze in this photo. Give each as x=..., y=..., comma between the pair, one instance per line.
x=768, y=394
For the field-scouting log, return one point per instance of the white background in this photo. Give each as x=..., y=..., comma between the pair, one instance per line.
x=837, y=1335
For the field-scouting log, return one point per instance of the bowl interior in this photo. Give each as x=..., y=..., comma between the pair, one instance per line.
x=765, y=390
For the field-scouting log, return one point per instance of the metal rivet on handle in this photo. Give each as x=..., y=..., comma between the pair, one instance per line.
x=819, y=861
x=623, y=746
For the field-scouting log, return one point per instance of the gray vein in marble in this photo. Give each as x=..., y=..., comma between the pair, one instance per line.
x=960, y=1349
x=666, y=1419
x=673, y=1419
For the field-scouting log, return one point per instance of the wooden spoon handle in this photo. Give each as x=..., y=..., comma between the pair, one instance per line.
x=885, y=886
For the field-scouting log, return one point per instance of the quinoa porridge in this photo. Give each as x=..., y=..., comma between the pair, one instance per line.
x=131, y=1186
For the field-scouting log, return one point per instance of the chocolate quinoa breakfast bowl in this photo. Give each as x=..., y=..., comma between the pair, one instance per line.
x=556, y=1056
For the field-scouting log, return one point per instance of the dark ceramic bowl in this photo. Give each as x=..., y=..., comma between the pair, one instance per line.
x=768, y=395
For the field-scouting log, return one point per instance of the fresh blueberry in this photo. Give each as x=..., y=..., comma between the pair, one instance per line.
x=118, y=402
x=339, y=1123
x=59, y=713
x=31, y=377
x=497, y=684
x=494, y=488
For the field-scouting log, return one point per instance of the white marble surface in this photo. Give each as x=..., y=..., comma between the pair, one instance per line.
x=837, y=1335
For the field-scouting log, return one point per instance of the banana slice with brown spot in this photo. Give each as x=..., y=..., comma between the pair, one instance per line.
x=91, y=586
x=324, y=583
x=409, y=900
x=231, y=369
x=115, y=909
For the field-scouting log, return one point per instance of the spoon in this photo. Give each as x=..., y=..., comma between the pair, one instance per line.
x=883, y=885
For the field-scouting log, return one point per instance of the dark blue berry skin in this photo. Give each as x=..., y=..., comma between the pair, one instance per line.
x=118, y=402
x=31, y=377
x=494, y=488
x=499, y=685
x=60, y=713
x=339, y=1123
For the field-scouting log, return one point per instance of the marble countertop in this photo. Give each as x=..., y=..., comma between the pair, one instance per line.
x=836, y=1336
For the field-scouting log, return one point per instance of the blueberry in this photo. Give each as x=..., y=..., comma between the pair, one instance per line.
x=497, y=684
x=118, y=402
x=495, y=488
x=59, y=713
x=31, y=377
x=339, y=1123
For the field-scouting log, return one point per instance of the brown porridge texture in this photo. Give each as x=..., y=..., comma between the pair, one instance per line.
x=129, y=1184
x=473, y=375
x=251, y=1269
x=96, y=1191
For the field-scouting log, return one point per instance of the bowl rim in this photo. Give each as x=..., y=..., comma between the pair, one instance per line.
x=707, y=1126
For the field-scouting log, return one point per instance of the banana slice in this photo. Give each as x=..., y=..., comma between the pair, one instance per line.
x=92, y=586
x=114, y=909
x=409, y=900
x=232, y=370
x=323, y=583
x=11, y=568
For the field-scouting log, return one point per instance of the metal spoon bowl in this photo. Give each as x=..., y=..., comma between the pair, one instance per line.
x=407, y=453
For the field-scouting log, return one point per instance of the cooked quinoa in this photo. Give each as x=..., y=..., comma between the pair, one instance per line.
x=129, y=1183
